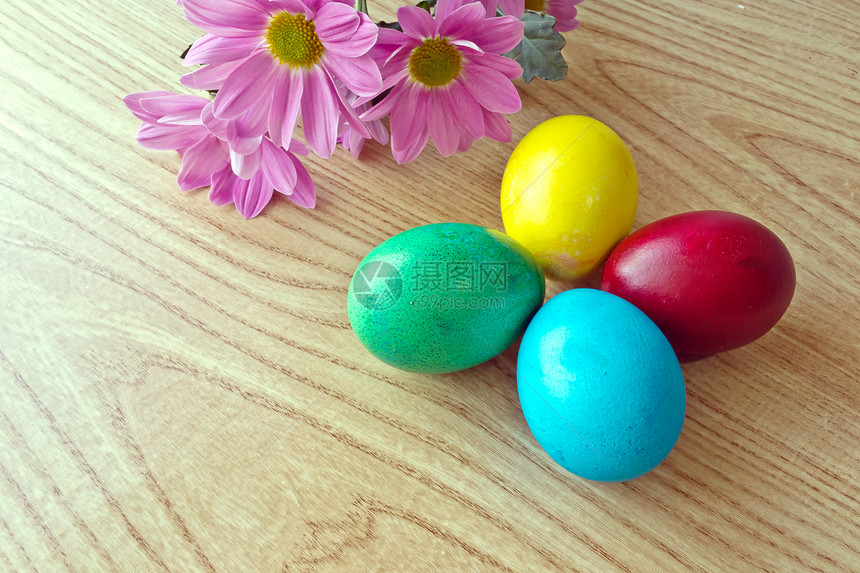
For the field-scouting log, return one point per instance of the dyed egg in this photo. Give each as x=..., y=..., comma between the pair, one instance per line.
x=600, y=387
x=569, y=194
x=711, y=280
x=443, y=297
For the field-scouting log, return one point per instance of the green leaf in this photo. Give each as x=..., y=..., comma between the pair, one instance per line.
x=540, y=51
x=424, y=5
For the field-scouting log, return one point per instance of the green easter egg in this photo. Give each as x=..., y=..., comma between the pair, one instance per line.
x=444, y=297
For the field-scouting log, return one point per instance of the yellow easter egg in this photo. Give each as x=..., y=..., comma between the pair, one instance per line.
x=569, y=194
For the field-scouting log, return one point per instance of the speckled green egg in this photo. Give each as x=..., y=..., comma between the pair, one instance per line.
x=444, y=297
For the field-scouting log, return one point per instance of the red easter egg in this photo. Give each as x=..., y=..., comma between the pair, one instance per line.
x=711, y=280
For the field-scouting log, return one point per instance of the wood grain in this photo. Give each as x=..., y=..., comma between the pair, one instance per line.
x=180, y=389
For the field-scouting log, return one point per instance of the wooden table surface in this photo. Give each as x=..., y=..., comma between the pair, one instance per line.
x=181, y=389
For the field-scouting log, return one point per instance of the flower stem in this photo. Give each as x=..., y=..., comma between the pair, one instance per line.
x=361, y=6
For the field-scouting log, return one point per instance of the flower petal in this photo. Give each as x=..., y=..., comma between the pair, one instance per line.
x=348, y=113
x=242, y=143
x=360, y=75
x=253, y=196
x=286, y=102
x=245, y=166
x=491, y=89
x=496, y=126
x=298, y=148
x=406, y=116
x=304, y=193
x=132, y=102
x=278, y=168
x=444, y=8
x=217, y=127
x=385, y=106
x=377, y=131
x=224, y=182
x=416, y=22
x=361, y=41
x=210, y=77
x=399, y=60
x=175, y=109
x=465, y=142
x=245, y=133
x=228, y=18
x=409, y=124
x=387, y=41
x=443, y=127
x=411, y=152
x=387, y=84
x=319, y=112
x=336, y=22
x=498, y=35
x=461, y=23
x=515, y=8
x=511, y=69
x=188, y=117
x=166, y=136
x=200, y=162
x=249, y=85
x=466, y=44
x=293, y=7
x=564, y=12
x=216, y=50
x=466, y=110
x=353, y=142
x=315, y=5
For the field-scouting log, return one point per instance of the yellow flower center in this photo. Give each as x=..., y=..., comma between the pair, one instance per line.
x=536, y=5
x=435, y=62
x=293, y=40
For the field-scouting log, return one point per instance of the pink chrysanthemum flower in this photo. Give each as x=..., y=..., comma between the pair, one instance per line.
x=448, y=79
x=185, y=123
x=274, y=60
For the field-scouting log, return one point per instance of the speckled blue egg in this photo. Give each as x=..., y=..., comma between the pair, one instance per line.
x=600, y=387
x=443, y=297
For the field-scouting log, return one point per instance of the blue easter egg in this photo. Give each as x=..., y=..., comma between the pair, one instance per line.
x=600, y=387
